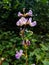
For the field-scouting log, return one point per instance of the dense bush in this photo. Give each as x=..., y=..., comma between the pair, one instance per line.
x=8, y=43
x=38, y=50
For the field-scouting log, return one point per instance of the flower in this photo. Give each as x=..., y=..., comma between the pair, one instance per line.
x=18, y=54
x=32, y=24
x=26, y=42
x=22, y=21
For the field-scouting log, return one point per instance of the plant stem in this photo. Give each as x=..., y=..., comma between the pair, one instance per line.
x=26, y=58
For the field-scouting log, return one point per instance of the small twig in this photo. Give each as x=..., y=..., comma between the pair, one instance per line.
x=26, y=58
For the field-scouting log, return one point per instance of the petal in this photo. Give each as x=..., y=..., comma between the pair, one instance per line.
x=20, y=14
x=21, y=51
x=17, y=56
x=30, y=20
x=33, y=23
x=29, y=13
x=18, y=23
x=22, y=21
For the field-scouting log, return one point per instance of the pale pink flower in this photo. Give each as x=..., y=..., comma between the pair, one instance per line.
x=18, y=54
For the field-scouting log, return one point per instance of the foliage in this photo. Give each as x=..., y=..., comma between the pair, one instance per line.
x=39, y=50
x=8, y=41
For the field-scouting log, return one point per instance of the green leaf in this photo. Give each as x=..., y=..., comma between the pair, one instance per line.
x=43, y=47
x=46, y=62
x=34, y=40
x=44, y=1
x=5, y=63
x=6, y=1
x=31, y=54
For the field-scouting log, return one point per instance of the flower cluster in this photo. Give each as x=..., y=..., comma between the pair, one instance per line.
x=25, y=21
x=18, y=54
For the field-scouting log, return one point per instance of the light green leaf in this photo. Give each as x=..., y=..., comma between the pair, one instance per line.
x=46, y=62
x=43, y=47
